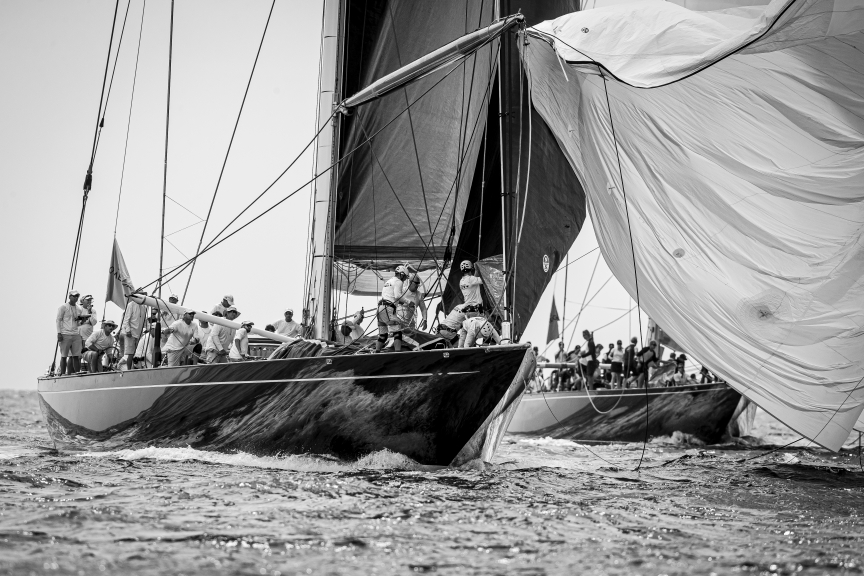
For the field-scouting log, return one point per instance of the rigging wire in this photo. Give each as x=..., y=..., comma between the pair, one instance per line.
x=129, y=119
x=228, y=151
x=165, y=164
x=88, y=179
x=632, y=252
x=216, y=240
x=584, y=298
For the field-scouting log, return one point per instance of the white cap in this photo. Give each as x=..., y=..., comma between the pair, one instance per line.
x=291, y=310
x=229, y=299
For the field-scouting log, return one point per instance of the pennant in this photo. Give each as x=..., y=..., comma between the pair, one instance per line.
x=119, y=281
x=553, y=334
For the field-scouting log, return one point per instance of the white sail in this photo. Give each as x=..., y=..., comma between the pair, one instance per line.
x=740, y=137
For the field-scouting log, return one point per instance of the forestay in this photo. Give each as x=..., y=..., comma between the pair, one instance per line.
x=740, y=140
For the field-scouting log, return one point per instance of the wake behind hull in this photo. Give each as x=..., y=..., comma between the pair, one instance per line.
x=437, y=407
x=701, y=410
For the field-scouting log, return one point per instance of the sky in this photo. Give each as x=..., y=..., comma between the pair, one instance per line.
x=52, y=60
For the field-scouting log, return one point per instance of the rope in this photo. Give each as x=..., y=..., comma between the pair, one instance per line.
x=228, y=151
x=542, y=393
x=632, y=252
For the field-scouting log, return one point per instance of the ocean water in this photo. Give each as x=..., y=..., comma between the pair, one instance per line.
x=542, y=507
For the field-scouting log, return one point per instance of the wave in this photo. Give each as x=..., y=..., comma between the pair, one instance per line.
x=380, y=460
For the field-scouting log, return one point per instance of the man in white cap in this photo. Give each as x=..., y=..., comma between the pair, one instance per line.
x=221, y=337
x=477, y=327
x=227, y=302
x=133, y=325
x=100, y=342
x=180, y=334
x=288, y=327
x=87, y=324
x=240, y=347
x=68, y=339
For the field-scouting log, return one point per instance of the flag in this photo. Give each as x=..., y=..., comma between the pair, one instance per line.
x=553, y=334
x=119, y=282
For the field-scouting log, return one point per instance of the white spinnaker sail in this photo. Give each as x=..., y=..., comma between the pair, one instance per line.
x=740, y=135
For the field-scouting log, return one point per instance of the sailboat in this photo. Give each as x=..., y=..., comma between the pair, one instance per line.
x=415, y=162
x=723, y=155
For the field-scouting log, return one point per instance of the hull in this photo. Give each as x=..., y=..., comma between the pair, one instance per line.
x=437, y=407
x=702, y=410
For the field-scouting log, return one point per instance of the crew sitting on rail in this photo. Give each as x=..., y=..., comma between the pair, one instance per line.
x=449, y=328
x=100, y=343
x=180, y=334
x=469, y=284
x=477, y=327
x=288, y=327
x=388, y=322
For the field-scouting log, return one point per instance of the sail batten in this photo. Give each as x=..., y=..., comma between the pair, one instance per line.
x=732, y=149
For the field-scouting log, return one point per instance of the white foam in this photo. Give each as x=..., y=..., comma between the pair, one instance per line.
x=380, y=460
x=547, y=441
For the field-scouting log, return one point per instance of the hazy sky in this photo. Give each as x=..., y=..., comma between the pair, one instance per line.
x=52, y=57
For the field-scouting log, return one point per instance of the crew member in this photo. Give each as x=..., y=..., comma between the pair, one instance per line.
x=616, y=359
x=86, y=327
x=68, y=339
x=561, y=376
x=470, y=284
x=143, y=357
x=450, y=327
x=197, y=351
x=590, y=356
x=134, y=323
x=647, y=362
x=222, y=307
x=388, y=322
x=412, y=299
x=99, y=343
x=631, y=366
x=351, y=329
x=180, y=334
x=240, y=347
x=478, y=327
x=219, y=343
x=288, y=327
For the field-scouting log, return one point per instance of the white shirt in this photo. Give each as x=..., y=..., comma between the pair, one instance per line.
x=86, y=327
x=204, y=334
x=243, y=336
x=220, y=338
x=291, y=329
x=454, y=319
x=181, y=335
x=67, y=318
x=617, y=355
x=470, y=287
x=134, y=320
x=407, y=306
x=100, y=340
x=393, y=289
x=472, y=326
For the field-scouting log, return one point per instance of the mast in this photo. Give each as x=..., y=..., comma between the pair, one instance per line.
x=320, y=291
x=505, y=78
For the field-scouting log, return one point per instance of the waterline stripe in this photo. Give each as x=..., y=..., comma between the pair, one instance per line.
x=281, y=380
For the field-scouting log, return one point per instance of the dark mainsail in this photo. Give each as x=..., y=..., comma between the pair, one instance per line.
x=555, y=207
x=398, y=196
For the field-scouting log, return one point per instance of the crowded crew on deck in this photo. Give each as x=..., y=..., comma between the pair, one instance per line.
x=171, y=335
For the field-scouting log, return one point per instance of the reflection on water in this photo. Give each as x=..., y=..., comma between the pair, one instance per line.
x=544, y=507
